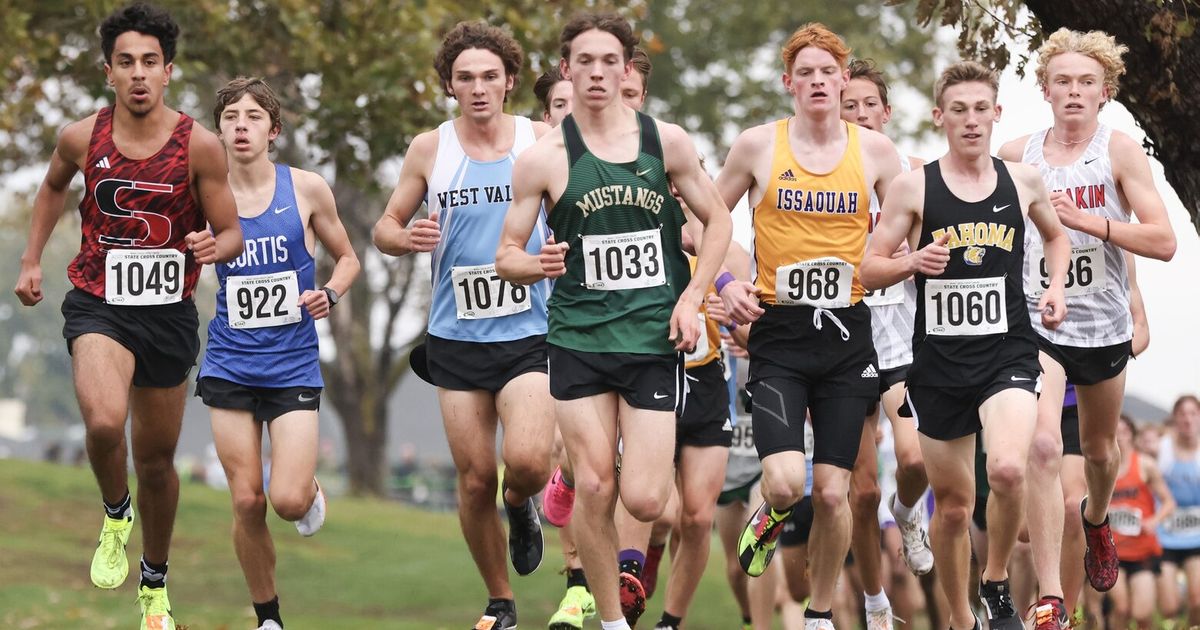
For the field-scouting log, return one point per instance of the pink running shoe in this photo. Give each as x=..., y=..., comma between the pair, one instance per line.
x=558, y=500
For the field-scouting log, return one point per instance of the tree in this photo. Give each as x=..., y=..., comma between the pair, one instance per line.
x=1162, y=84
x=357, y=84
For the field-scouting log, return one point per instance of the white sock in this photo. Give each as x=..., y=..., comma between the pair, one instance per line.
x=619, y=624
x=901, y=511
x=877, y=602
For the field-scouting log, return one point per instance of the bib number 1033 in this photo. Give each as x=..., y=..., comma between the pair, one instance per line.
x=623, y=261
x=965, y=307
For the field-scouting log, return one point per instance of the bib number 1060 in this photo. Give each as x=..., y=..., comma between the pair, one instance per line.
x=965, y=307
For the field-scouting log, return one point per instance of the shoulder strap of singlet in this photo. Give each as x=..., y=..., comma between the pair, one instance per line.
x=572, y=139
x=651, y=145
x=103, y=118
x=933, y=178
x=1003, y=177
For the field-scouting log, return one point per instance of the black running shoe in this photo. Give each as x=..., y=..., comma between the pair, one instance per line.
x=525, y=542
x=998, y=604
x=499, y=615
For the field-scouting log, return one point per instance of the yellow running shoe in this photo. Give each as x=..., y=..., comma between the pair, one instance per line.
x=110, y=567
x=156, y=609
x=757, y=543
x=578, y=604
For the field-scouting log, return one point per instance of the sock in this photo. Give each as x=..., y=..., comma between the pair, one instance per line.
x=619, y=624
x=901, y=511
x=268, y=610
x=120, y=509
x=575, y=577
x=781, y=515
x=654, y=553
x=566, y=480
x=669, y=621
x=809, y=613
x=630, y=561
x=153, y=575
x=746, y=621
x=877, y=602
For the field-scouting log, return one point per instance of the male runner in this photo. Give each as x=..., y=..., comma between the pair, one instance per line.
x=974, y=351
x=622, y=307
x=1097, y=176
x=1179, y=461
x=261, y=365
x=152, y=179
x=486, y=346
x=809, y=178
x=554, y=93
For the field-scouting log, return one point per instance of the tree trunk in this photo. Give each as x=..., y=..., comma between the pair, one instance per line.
x=1162, y=85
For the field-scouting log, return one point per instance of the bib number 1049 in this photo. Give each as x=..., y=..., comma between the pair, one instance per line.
x=965, y=307
x=143, y=277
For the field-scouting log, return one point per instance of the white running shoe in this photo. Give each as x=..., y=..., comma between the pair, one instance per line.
x=880, y=619
x=270, y=625
x=915, y=534
x=818, y=624
x=315, y=517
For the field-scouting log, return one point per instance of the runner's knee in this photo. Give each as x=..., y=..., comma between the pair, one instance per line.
x=1005, y=475
x=249, y=503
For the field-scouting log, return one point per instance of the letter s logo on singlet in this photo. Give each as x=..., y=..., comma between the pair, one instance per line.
x=158, y=227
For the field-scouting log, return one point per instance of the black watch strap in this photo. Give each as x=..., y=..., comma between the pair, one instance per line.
x=331, y=294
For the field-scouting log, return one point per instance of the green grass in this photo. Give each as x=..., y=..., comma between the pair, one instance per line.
x=375, y=564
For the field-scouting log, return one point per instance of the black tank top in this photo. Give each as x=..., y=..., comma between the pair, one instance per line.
x=971, y=320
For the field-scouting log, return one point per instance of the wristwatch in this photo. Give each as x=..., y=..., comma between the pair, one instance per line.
x=332, y=295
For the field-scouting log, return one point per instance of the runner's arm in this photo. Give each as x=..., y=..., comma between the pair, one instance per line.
x=331, y=233
x=1137, y=308
x=48, y=207
x=392, y=234
x=216, y=198
x=1151, y=236
x=735, y=181
x=1162, y=494
x=529, y=187
x=1056, y=243
x=880, y=266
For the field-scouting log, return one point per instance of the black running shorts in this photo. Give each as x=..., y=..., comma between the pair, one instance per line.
x=471, y=365
x=645, y=381
x=705, y=420
x=1088, y=366
x=265, y=403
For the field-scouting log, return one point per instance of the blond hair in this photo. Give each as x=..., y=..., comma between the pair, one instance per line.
x=965, y=72
x=818, y=35
x=1095, y=44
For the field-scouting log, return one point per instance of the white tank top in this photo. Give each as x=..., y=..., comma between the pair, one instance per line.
x=892, y=308
x=1098, y=281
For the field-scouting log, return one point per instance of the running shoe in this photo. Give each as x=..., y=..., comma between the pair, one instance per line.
x=654, y=554
x=578, y=604
x=156, y=609
x=880, y=619
x=525, y=544
x=1100, y=560
x=1049, y=613
x=818, y=624
x=314, y=518
x=558, y=500
x=998, y=604
x=110, y=567
x=757, y=543
x=633, y=598
x=918, y=555
x=270, y=625
x=501, y=615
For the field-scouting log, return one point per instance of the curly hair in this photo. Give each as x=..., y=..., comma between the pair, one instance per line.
x=818, y=35
x=143, y=18
x=1095, y=44
x=483, y=36
x=866, y=69
x=544, y=84
x=641, y=63
x=259, y=91
x=610, y=23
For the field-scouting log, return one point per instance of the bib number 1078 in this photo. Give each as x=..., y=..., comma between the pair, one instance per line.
x=479, y=293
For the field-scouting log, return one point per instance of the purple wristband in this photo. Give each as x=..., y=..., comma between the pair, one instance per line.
x=723, y=280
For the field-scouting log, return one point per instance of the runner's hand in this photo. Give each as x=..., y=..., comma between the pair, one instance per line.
x=685, y=327
x=931, y=260
x=425, y=234
x=203, y=246
x=553, y=258
x=316, y=302
x=1053, y=307
x=715, y=307
x=741, y=301
x=29, y=284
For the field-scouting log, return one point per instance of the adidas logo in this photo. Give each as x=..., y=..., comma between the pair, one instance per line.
x=728, y=425
x=103, y=163
x=870, y=372
x=787, y=176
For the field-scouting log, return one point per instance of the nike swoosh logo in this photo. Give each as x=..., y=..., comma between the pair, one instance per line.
x=308, y=399
x=1117, y=362
x=998, y=209
x=641, y=173
x=657, y=397
x=1020, y=378
x=1086, y=162
x=283, y=209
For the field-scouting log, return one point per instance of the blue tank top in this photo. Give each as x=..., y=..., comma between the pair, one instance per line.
x=260, y=337
x=470, y=302
x=1181, y=530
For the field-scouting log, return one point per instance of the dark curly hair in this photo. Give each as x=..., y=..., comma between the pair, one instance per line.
x=143, y=18
x=468, y=35
x=610, y=23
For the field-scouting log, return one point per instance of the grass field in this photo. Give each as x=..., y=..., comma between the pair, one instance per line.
x=375, y=564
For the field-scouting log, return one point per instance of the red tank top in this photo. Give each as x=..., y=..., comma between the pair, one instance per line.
x=135, y=204
x=1132, y=503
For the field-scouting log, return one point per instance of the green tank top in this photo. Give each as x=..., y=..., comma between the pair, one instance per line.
x=625, y=267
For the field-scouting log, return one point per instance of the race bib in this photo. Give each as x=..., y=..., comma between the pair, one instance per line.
x=264, y=300
x=1184, y=522
x=1087, y=273
x=633, y=260
x=143, y=277
x=821, y=282
x=886, y=296
x=965, y=308
x=742, y=441
x=701, y=350
x=479, y=293
x=1125, y=520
